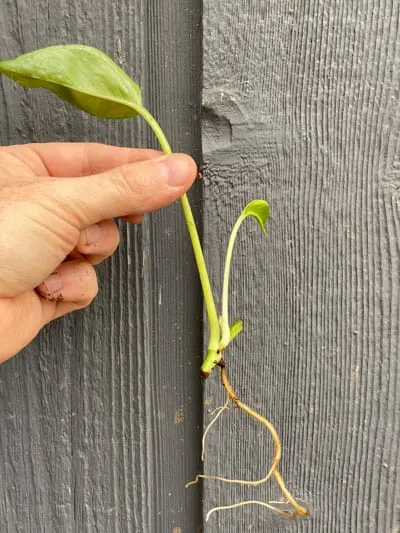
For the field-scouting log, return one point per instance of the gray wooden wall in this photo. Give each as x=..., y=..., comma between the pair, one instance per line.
x=302, y=108
x=101, y=417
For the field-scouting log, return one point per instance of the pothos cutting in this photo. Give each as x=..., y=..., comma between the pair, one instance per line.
x=90, y=80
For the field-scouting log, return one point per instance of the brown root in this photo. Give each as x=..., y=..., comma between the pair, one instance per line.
x=298, y=510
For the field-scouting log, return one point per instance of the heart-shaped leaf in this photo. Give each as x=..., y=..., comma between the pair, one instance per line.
x=258, y=209
x=83, y=76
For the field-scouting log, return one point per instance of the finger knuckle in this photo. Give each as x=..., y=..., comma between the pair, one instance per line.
x=133, y=179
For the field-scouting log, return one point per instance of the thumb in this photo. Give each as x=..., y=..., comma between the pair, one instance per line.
x=132, y=189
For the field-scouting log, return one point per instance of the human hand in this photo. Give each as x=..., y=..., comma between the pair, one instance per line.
x=57, y=202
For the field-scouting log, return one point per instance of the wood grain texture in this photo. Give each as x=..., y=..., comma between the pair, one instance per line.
x=100, y=417
x=301, y=107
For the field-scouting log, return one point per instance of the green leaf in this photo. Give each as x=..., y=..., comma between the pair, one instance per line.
x=258, y=209
x=83, y=76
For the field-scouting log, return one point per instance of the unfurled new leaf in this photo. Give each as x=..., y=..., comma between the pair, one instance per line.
x=83, y=76
x=258, y=209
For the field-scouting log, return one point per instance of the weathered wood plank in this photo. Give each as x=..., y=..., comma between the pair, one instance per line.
x=101, y=416
x=301, y=107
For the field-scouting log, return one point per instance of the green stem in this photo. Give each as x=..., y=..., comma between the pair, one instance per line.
x=226, y=335
x=194, y=236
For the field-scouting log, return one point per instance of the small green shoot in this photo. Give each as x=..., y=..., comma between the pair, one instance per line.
x=235, y=329
x=258, y=209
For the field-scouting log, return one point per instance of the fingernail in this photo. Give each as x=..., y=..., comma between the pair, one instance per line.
x=177, y=167
x=53, y=283
x=92, y=234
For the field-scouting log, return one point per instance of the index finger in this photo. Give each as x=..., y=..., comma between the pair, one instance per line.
x=80, y=159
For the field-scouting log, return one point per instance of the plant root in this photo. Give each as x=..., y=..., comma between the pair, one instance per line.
x=219, y=411
x=298, y=510
x=287, y=514
x=255, y=483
